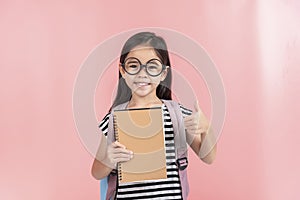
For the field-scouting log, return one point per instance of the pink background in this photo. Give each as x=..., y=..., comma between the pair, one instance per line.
x=255, y=45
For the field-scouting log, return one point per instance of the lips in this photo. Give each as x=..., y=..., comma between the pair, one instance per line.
x=142, y=83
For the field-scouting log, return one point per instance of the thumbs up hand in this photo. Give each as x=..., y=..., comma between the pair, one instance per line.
x=196, y=123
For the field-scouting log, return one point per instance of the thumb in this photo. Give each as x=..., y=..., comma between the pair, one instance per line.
x=196, y=106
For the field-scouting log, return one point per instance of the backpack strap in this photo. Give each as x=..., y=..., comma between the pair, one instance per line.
x=180, y=144
x=179, y=133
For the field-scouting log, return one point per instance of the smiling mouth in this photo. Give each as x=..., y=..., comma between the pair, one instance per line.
x=141, y=83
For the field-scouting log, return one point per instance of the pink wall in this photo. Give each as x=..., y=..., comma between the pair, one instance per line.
x=255, y=45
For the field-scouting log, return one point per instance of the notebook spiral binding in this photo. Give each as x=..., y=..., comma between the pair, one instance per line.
x=119, y=168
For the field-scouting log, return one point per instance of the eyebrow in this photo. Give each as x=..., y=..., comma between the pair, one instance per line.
x=132, y=61
x=152, y=61
x=136, y=60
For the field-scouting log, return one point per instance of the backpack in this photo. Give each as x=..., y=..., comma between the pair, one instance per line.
x=110, y=182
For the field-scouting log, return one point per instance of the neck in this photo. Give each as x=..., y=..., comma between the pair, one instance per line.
x=144, y=102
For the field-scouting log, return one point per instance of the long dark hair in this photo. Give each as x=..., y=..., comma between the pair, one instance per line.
x=163, y=90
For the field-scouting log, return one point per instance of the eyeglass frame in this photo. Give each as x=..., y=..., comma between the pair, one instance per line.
x=144, y=66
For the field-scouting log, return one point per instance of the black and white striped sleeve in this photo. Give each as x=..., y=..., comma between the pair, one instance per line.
x=185, y=111
x=104, y=124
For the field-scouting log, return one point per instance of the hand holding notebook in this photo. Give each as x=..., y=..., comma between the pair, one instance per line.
x=116, y=152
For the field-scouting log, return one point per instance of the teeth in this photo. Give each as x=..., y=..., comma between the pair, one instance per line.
x=142, y=84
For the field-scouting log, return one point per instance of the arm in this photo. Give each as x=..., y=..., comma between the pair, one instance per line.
x=197, y=131
x=115, y=153
x=99, y=170
x=196, y=146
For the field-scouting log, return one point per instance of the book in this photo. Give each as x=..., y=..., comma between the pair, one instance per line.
x=141, y=130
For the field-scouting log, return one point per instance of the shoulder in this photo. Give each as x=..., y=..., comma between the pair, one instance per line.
x=103, y=125
x=184, y=110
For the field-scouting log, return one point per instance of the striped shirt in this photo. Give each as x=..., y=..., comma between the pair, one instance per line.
x=169, y=188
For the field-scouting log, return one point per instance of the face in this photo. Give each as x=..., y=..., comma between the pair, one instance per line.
x=142, y=84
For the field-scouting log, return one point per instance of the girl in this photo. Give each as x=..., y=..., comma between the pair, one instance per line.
x=144, y=81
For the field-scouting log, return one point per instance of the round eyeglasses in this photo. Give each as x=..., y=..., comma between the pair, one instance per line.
x=133, y=66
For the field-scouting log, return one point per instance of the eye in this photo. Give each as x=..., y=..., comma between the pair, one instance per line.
x=133, y=66
x=153, y=67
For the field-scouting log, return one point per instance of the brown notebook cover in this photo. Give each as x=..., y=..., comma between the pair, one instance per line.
x=141, y=131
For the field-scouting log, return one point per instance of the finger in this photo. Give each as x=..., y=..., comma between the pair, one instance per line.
x=115, y=161
x=191, y=122
x=121, y=150
x=192, y=128
x=122, y=159
x=114, y=145
x=115, y=157
x=189, y=118
x=194, y=132
x=118, y=144
x=196, y=106
x=198, y=131
x=188, y=125
x=122, y=156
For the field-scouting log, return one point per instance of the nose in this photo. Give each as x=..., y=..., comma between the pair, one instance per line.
x=143, y=71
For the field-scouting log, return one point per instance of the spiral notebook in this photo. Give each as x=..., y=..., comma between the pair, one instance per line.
x=141, y=130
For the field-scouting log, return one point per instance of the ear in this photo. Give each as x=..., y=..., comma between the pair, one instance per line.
x=121, y=70
x=164, y=74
